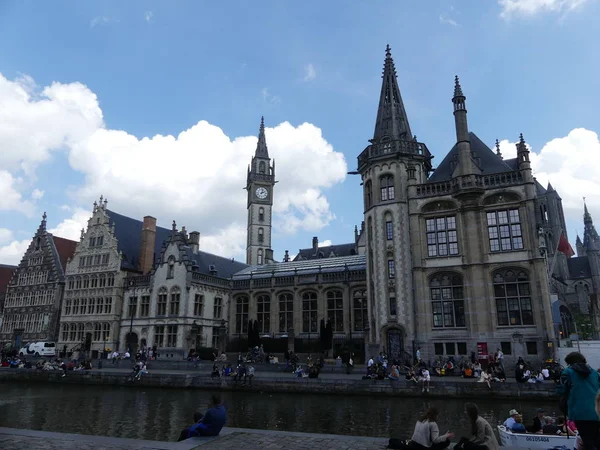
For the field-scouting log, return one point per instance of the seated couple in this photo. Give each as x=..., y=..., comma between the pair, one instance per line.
x=209, y=424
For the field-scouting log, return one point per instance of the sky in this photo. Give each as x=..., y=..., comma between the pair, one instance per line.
x=156, y=106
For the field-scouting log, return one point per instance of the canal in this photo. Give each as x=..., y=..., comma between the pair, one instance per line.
x=159, y=414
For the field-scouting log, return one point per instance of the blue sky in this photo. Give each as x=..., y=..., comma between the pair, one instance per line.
x=153, y=68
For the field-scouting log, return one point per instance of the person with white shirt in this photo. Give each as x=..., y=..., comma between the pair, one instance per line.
x=425, y=379
x=508, y=423
x=500, y=359
x=546, y=373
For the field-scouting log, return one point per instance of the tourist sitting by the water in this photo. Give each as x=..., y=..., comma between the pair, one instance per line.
x=240, y=372
x=227, y=370
x=508, y=423
x=313, y=371
x=427, y=433
x=550, y=427
x=518, y=426
x=546, y=373
x=485, y=378
x=222, y=357
x=477, y=370
x=482, y=435
x=209, y=424
x=467, y=371
x=411, y=376
x=216, y=373
x=425, y=379
x=394, y=373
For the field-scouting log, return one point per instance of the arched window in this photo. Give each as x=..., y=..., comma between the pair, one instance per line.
x=368, y=194
x=175, y=300
x=106, y=331
x=389, y=226
x=171, y=267
x=513, y=297
x=335, y=310
x=241, y=314
x=80, y=327
x=386, y=183
x=359, y=309
x=286, y=312
x=447, y=301
x=65, y=332
x=73, y=332
x=260, y=256
x=263, y=313
x=309, y=312
x=261, y=235
x=261, y=214
x=262, y=167
x=161, y=305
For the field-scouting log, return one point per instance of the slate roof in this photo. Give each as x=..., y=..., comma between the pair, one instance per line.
x=225, y=267
x=323, y=265
x=579, y=267
x=324, y=252
x=65, y=249
x=6, y=273
x=487, y=161
x=539, y=189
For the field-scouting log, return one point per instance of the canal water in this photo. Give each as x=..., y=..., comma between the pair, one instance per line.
x=159, y=414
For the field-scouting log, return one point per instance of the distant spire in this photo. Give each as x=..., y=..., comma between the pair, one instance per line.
x=465, y=154
x=550, y=188
x=498, y=152
x=391, y=115
x=174, y=226
x=522, y=153
x=457, y=89
x=591, y=240
x=586, y=214
x=261, y=146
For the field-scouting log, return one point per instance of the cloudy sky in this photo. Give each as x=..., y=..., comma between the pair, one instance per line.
x=156, y=105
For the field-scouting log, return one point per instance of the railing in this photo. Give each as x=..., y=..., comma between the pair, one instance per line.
x=140, y=280
x=385, y=148
x=333, y=277
x=203, y=278
x=469, y=182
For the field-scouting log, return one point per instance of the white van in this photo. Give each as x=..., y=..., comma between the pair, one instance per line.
x=38, y=349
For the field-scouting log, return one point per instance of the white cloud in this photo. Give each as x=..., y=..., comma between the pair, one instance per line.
x=10, y=196
x=99, y=20
x=325, y=243
x=445, y=19
x=268, y=97
x=5, y=235
x=310, y=73
x=511, y=8
x=13, y=252
x=148, y=16
x=195, y=177
x=36, y=194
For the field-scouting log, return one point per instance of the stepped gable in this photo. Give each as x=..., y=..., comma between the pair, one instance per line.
x=482, y=156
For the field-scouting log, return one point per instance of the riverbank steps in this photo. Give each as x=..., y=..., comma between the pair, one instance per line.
x=230, y=438
x=287, y=383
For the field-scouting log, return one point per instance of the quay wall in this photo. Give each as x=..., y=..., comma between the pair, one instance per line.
x=289, y=384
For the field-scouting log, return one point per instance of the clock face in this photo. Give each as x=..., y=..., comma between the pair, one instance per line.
x=262, y=193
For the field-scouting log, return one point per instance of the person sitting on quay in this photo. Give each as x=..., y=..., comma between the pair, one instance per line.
x=427, y=433
x=209, y=424
x=394, y=373
x=482, y=434
x=467, y=372
x=425, y=379
x=485, y=378
x=411, y=375
x=216, y=373
x=508, y=423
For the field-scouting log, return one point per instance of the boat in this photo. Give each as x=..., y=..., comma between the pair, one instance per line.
x=521, y=440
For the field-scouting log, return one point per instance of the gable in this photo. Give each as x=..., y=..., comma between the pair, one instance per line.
x=65, y=249
x=6, y=273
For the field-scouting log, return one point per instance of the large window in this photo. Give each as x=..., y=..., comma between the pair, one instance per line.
x=393, y=306
x=241, y=314
x=260, y=256
x=132, y=306
x=199, y=305
x=175, y=300
x=386, y=183
x=389, y=230
x=261, y=214
x=218, y=308
x=309, y=312
x=335, y=310
x=391, y=268
x=442, y=239
x=261, y=235
x=447, y=303
x=263, y=313
x=286, y=312
x=145, y=306
x=504, y=230
x=513, y=298
x=172, y=336
x=161, y=306
x=359, y=310
x=159, y=335
x=368, y=194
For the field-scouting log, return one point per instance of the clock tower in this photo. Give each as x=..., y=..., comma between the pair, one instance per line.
x=260, y=183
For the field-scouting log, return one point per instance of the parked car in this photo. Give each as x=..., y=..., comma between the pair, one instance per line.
x=38, y=349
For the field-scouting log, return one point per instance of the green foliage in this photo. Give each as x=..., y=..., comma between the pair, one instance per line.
x=585, y=327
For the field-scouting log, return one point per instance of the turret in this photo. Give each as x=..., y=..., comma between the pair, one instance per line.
x=465, y=162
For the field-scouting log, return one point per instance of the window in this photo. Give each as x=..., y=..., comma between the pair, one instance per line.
x=532, y=348
x=199, y=305
x=506, y=348
x=309, y=312
x=442, y=238
x=438, y=348
x=513, y=298
x=462, y=348
x=389, y=230
x=447, y=304
x=132, y=306
x=504, y=230
x=174, y=305
x=286, y=312
x=359, y=310
x=108, y=305
x=161, y=305
x=159, y=335
x=368, y=194
x=73, y=332
x=335, y=310
x=97, y=259
x=263, y=313
x=65, y=332
x=71, y=284
x=386, y=183
x=218, y=308
x=145, y=306
x=99, y=241
x=110, y=281
x=215, y=337
x=67, y=307
x=262, y=167
x=260, y=256
x=105, y=258
x=450, y=348
x=86, y=283
x=172, y=336
x=261, y=214
x=94, y=282
x=393, y=305
x=97, y=332
x=391, y=268
x=100, y=306
x=171, y=268
x=241, y=315
x=105, y=331
x=261, y=235
x=91, y=305
x=92, y=242
x=102, y=281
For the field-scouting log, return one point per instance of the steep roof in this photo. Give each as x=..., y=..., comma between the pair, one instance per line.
x=539, y=189
x=6, y=273
x=224, y=267
x=325, y=252
x=65, y=249
x=484, y=158
x=579, y=267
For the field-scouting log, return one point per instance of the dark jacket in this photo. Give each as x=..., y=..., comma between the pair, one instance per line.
x=580, y=383
x=211, y=424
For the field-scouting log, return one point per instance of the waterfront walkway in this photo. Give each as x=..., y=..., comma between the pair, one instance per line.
x=247, y=439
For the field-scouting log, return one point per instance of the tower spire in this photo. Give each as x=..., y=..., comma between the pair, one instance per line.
x=498, y=152
x=465, y=161
x=591, y=240
x=391, y=115
x=261, y=146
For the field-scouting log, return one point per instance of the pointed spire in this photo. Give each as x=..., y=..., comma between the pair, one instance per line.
x=43, y=222
x=174, y=226
x=587, y=217
x=498, y=152
x=261, y=146
x=457, y=89
x=391, y=115
x=550, y=188
x=465, y=154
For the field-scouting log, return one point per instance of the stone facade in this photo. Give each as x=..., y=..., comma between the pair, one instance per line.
x=35, y=291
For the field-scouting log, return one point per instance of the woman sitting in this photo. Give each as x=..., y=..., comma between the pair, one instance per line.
x=394, y=373
x=427, y=434
x=482, y=435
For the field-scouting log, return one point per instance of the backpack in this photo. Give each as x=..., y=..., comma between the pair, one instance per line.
x=396, y=443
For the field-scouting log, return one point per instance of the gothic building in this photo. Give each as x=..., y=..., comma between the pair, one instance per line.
x=35, y=290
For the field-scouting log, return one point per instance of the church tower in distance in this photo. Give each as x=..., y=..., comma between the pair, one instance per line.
x=260, y=184
x=392, y=162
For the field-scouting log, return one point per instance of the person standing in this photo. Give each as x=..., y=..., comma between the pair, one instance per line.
x=579, y=383
x=427, y=433
x=482, y=435
x=418, y=355
x=500, y=359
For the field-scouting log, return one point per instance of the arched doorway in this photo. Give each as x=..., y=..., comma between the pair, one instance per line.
x=395, y=344
x=566, y=322
x=132, y=343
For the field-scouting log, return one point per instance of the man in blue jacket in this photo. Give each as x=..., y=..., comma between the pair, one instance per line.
x=580, y=384
x=210, y=424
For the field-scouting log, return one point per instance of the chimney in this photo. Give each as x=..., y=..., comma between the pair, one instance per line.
x=146, y=258
x=286, y=257
x=269, y=256
x=315, y=245
x=194, y=241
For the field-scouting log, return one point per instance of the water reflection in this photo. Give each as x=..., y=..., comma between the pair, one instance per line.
x=159, y=414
